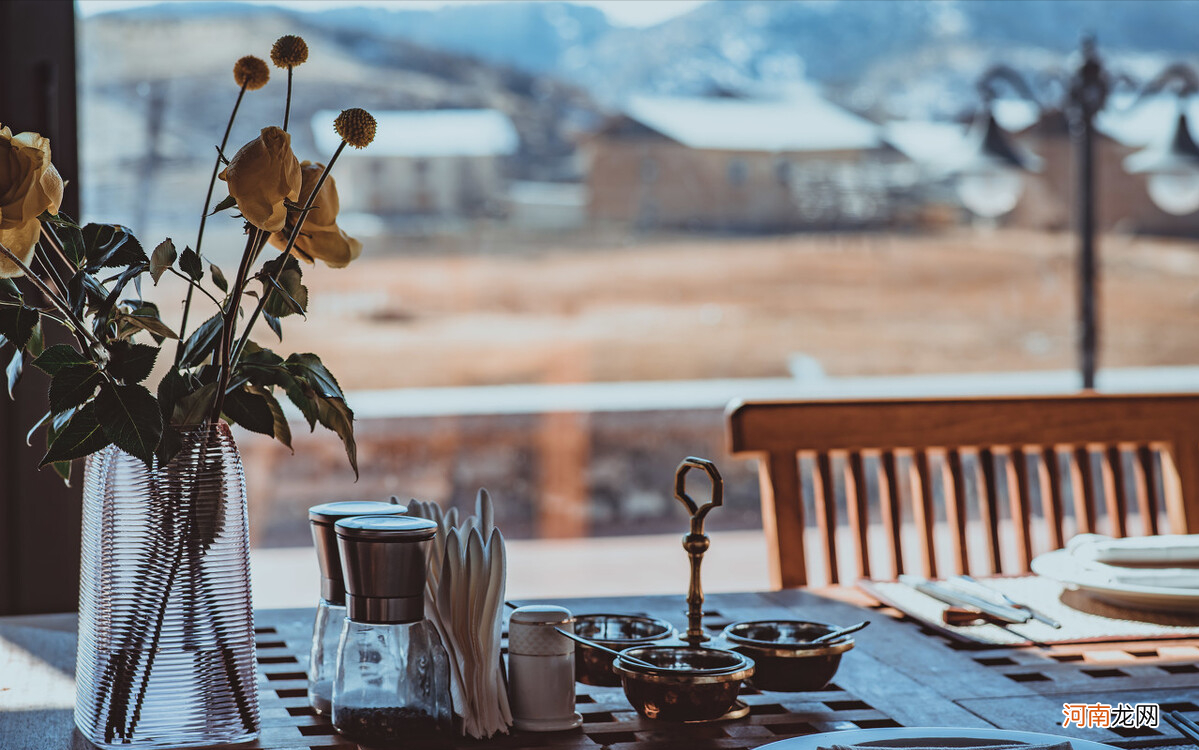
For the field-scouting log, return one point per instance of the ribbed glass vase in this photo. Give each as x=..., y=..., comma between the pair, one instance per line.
x=166, y=633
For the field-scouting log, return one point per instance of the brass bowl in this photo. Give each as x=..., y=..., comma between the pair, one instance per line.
x=617, y=632
x=686, y=684
x=786, y=659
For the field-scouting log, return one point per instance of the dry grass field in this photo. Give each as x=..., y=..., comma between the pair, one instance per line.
x=958, y=301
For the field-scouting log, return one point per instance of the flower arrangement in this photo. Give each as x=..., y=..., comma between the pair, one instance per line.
x=89, y=279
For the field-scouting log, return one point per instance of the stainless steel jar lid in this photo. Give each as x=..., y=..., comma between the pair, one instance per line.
x=321, y=518
x=383, y=558
x=386, y=528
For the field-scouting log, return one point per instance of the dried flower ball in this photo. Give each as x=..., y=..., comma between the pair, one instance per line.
x=289, y=51
x=356, y=127
x=251, y=73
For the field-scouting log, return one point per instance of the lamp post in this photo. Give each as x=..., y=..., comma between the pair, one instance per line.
x=1173, y=167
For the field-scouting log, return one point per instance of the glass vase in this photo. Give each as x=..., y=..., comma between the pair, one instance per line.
x=166, y=632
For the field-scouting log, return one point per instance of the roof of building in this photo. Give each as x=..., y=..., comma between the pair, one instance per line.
x=429, y=133
x=800, y=123
x=937, y=145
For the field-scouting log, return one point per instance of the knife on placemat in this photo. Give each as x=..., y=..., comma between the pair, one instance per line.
x=954, y=598
x=980, y=588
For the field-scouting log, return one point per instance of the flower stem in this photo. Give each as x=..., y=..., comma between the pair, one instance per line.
x=187, y=302
x=291, y=242
x=287, y=106
x=225, y=346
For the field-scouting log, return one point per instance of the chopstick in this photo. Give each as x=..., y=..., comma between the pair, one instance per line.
x=1185, y=726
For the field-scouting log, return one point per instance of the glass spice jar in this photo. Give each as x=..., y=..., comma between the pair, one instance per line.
x=331, y=609
x=392, y=681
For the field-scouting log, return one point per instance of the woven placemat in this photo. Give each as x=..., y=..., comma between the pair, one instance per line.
x=1083, y=617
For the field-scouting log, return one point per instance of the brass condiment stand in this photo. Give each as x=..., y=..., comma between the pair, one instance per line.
x=696, y=543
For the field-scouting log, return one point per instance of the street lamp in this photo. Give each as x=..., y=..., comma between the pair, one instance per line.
x=1172, y=167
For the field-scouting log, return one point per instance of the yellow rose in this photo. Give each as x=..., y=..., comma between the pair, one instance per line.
x=29, y=185
x=261, y=176
x=320, y=236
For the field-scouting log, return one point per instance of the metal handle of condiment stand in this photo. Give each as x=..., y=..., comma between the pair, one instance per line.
x=696, y=543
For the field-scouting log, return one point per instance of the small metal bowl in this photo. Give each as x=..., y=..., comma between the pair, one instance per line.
x=786, y=659
x=687, y=683
x=617, y=632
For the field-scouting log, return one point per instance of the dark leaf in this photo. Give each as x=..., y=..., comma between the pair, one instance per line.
x=310, y=367
x=111, y=246
x=123, y=279
x=304, y=398
x=9, y=290
x=57, y=357
x=169, y=444
x=16, y=324
x=190, y=263
x=202, y=342
x=218, y=277
x=161, y=259
x=282, y=428
x=334, y=414
x=130, y=417
x=131, y=362
x=13, y=372
x=195, y=407
x=250, y=410
x=37, y=341
x=285, y=294
x=227, y=202
x=72, y=243
x=81, y=436
x=72, y=385
x=62, y=469
x=146, y=317
x=59, y=219
x=273, y=323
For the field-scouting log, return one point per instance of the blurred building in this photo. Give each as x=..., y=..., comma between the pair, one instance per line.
x=440, y=163
x=741, y=164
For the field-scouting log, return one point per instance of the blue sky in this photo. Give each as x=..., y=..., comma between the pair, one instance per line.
x=620, y=12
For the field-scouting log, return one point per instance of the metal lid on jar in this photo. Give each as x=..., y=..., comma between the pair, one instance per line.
x=383, y=558
x=328, y=514
x=321, y=518
x=532, y=631
x=387, y=528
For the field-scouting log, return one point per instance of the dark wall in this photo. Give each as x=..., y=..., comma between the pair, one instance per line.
x=39, y=516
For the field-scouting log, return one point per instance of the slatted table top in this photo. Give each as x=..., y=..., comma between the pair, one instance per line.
x=900, y=674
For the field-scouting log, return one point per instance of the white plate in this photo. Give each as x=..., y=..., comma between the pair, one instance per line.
x=900, y=737
x=1061, y=565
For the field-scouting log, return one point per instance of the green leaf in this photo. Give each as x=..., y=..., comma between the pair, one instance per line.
x=310, y=367
x=125, y=276
x=81, y=436
x=36, y=425
x=72, y=243
x=190, y=263
x=131, y=362
x=227, y=202
x=273, y=323
x=334, y=414
x=250, y=410
x=302, y=395
x=37, y=341
x=9, y=290
x=59, y=219
x=130, y=418
x=195, y=407
x=111, y=246
x=161, y=259
x=202, y=342
x=13, y=372
x=16, y=324
x=72, y=385
x=62, y=469
x=57, y=357
x=218, y=277
x=281, y=428
x=146, y=318
x=285, y=295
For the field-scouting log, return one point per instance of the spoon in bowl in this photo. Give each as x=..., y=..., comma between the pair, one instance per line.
x=827, y=637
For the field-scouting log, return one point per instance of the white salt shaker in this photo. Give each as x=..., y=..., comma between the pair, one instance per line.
x=541, y=669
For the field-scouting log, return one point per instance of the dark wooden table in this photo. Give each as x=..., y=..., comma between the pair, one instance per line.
x=899, y=675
